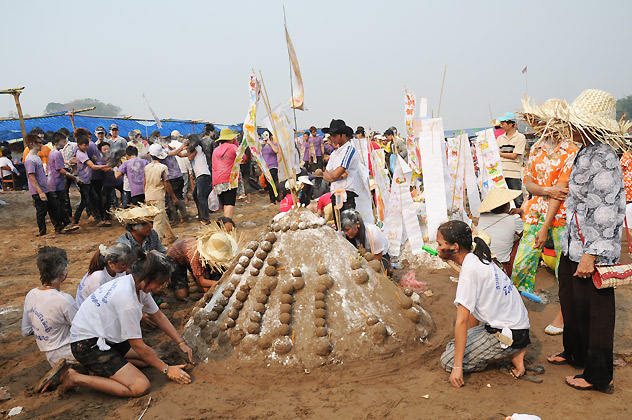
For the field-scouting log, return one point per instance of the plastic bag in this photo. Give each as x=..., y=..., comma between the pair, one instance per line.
x=213, y=201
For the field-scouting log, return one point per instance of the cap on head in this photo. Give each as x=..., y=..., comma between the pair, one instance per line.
x=113, y=127
x=99, y=130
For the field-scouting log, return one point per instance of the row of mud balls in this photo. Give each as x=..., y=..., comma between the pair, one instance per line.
x=255, y=254
x=324, y=282
x=288, y=224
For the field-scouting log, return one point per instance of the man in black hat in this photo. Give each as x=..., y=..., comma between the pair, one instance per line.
x=342, y=170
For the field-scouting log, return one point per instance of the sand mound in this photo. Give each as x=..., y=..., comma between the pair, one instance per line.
x=301, y=295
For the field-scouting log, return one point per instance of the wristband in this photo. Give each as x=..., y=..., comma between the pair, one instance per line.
x=165, y=370
x=457, y=367
x=181, y=343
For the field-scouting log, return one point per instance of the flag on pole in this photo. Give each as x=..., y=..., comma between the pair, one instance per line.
x=524, y=70
x=298, y=93
x=158, y=123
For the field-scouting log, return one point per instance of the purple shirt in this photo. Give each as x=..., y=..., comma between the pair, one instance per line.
x=318, y=145
x=109, y=179
x=98, y=174
x=172, y=165
x=33, y=165
x=84, y=172
x=329, y=149
x=93, y=151
x=307, y=152
x=269, y=156
x=135, y=170
x=56, y=181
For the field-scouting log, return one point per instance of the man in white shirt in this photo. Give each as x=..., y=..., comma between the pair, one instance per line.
x=512, y=145
x=203, y=180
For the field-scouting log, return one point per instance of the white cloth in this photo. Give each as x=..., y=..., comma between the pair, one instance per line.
x=501, y=229
x=112, y=313
x=5, y=161
x=490, y=295
x=91, y=282
x=47, y=315
x=376, y=237
x=185, y=165
x=64, y=352
x=200, y=165
x=347, y=157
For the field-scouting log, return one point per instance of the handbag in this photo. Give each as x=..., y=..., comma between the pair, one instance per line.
x=611, y=275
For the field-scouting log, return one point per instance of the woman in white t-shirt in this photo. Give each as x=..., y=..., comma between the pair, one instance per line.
x=106, y=332
x=486, y=293
x=106, y=264
x=48, y=312
x=368, y=236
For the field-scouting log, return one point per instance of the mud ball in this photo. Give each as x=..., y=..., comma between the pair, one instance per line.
x=285, y=308
x=227, y=292
x=239, y=269
x=303, y=225
x=270, y=283
x=270, y=237
x=198, y=318
x=223, y=327
x=253, y=328
x=259, y=307
x=232, y=313
x=255, y=317
x=230, y=322
x=372, y=320
x=270, y=271
x=378, y=333
x=249, y=253
x=355, y=264
x=235, y=281
x=252, y=281
x=294, y=226
x=253, y=245
x=286, y=298
x=320, y=305
x=264, y=342
x=223, y=300
x=283, y=329
x=413, y=315
x=223, y=338
x=321, y=270
x=208, y=339
x=203, y=324
x=195, y=310
x=322, y=346
x=376, y=265
x=361, y=277
x=287, y=288
x=266, y=290
x=285, y=227
x=326, y=280
x=238, y=304
x=299, y=283
x=320, y=332
x=320, y=322
x=283, y=347
x=285, y=318
x=218, y=308
x=368, y=256
x=319, y=296
x=273, y=261
x=213, y=315
x=321, y=288
x=254, y=271
x=262, y=298
x=276, y=227
x=257, y=263
x=243, y=260
x=244, y=288
x=320, y=313
x=261, y=254
x=236, y=337
x=241, y=296
x=408, y=291
x=406, y=303
x=296, y=272
x=214, y=332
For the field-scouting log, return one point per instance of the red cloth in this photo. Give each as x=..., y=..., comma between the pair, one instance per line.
x=223, y=158
x=324, y=201
x=498, y=132
x=286, y=203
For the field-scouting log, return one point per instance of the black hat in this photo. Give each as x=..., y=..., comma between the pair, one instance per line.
x=360, y=130
x=338, y=127
x=389, y=132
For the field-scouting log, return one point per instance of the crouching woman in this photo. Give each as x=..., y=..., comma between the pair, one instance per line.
x=106, y=332
x=488, y=295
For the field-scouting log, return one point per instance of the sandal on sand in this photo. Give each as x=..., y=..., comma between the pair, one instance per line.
x=52, y=378
x=551, y=359
x=552, y=330
x=608, y=390
x=538, y=370
x=509, y=371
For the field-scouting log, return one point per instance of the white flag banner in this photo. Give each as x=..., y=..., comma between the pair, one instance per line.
x=282, y=128
x=489, y=164
x=153, y=114
x=433, y=163
x=423, y=107
x=473, y=195
x=382, y=189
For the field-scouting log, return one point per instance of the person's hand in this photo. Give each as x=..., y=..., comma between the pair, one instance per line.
x=79, y=181
x=177, y=374
x=557, y=193
x=344, y=175
x=187, y=350
x=517, y=211
x=456, y=378
x=73, y=161
x=43, y=197
x=146, y=319
x=540, y=237
x=586, y=266
x=175, y=201
x=185, y=142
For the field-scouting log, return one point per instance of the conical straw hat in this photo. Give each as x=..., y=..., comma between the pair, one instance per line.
x=496, y=198
x=216, y=247
x=132, y=215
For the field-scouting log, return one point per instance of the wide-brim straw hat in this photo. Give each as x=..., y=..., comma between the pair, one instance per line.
x=143, y=213
x=216, y=247
x=226, y=134
x=496, y=198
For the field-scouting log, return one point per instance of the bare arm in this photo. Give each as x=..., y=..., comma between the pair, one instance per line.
x=41, y=193
x=509, y=155
x=558, y=191
x=551, y=211
x=335, y=175
x=167, y=327
x=460, y=339
x=149, y=356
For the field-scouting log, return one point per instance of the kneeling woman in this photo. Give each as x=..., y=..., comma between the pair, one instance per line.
x=106, y=332
x=368, y=236
x=486, y=293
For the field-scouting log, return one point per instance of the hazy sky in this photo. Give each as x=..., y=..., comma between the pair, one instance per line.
x=193, y=58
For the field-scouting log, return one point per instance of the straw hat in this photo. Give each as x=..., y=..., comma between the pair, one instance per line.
x=226, y=134
x=496, y=198
x=480, y=233
x=304, y=179
x=318, y=173
x=216, y=247
x=133, y=215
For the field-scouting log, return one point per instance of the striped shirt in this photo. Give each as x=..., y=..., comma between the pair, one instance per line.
x=347, y=157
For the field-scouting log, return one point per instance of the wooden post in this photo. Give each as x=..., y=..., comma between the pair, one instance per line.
x=71, y=114
x=16, y=96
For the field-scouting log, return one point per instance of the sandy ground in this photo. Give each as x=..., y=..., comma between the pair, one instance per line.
x=410, y=385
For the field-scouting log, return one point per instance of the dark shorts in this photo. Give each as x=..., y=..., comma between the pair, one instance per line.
x=101, y=363
x=179, y=277
x=228, y=198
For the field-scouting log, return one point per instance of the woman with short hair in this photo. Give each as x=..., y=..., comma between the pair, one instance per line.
x=369, y=237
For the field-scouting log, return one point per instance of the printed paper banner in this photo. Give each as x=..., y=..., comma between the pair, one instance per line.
x=281, y=125
x=298, y=93
x=473, y=194
x=423, y=107
x=363, y=200
x=432, y=162
x=401, y=219
x=456, y=172
x=414, y=157
x=381, y=178
x=490, y=166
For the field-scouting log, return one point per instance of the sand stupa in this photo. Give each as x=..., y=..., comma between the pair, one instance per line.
x=301, y=295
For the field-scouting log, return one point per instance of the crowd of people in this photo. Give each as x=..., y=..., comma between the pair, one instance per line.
x=576, y=205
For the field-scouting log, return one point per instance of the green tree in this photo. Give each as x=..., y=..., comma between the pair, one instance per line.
x=102, y=109
x=624, y=105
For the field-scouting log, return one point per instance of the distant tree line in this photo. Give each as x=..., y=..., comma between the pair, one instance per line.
x=102, y=109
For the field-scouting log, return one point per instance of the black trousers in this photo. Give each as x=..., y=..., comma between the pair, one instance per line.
x=515, y=184
x=49, y=207
x=89, y=199
x=137, y=199
x=61, y=206
x=68, y=209
x=275, y=177
x=97, y=186
x=106, y=201
x=349, y=204
x=589, y=315
x=177, y=185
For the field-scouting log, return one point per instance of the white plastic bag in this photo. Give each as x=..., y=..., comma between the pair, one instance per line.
x=213, y=201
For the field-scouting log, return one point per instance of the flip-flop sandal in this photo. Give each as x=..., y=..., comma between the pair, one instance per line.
x=530, y=378
x=538, y=370
x=52, y=377
x=557, y=362
x=608, y=390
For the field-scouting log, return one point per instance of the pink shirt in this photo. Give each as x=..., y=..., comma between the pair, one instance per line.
x=223, y=158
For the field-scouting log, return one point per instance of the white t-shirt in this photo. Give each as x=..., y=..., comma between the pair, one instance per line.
x=113, y=313
x=347, y=157
x=5, y=161
x=47, y=315
x=376, y=236
x=501, y=228
x=185, y=164
x=200, y=165
x=489, y=295
x=91, y=282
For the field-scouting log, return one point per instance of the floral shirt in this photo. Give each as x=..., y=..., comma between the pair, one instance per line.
x=596, y=195
x=547, y=169
x=626, y=167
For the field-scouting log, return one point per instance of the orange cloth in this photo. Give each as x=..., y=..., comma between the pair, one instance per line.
x=43, y=154
x=626, y=167
x=547, y=170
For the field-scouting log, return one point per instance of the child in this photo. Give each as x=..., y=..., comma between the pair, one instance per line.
x=85, y=166
x=155, y=184
x=57, y=176
x=134, y=169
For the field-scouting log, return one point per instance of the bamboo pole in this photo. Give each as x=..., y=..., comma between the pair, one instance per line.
x=441, y=96
x=289, y=58
x=16, y=97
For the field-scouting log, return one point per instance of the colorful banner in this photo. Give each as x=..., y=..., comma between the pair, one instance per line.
x=490, y=166
x=382, y=183
x=414, y=156
x=456, y=172
x=282, y=128
x=297, y=89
